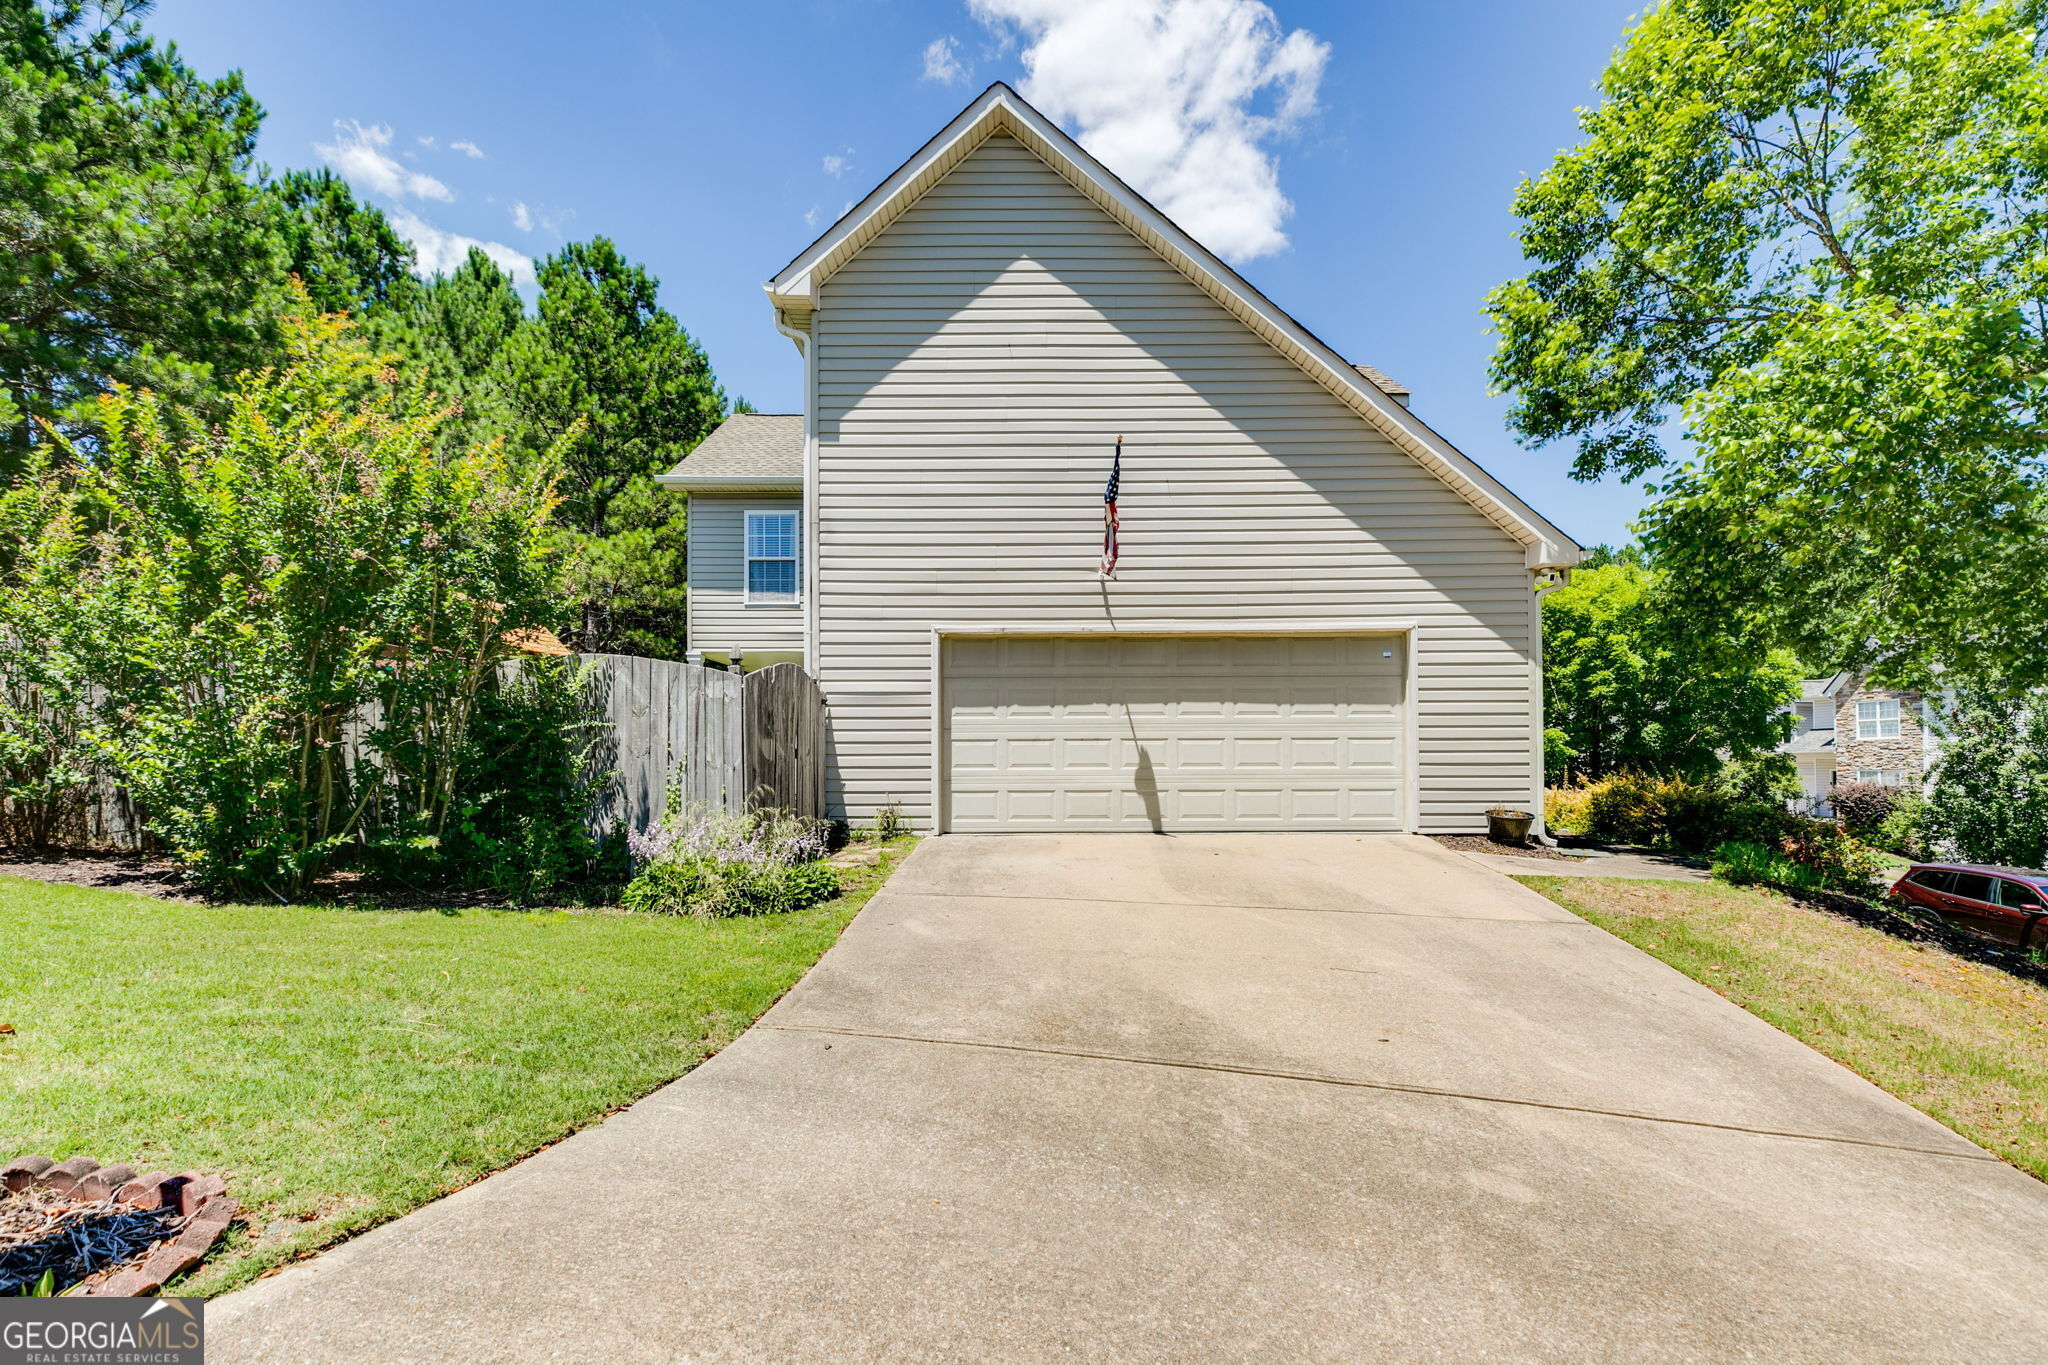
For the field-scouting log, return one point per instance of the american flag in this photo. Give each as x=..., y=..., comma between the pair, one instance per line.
x=1109, y=545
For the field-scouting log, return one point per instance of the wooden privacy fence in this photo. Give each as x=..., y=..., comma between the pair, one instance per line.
x=719, y=740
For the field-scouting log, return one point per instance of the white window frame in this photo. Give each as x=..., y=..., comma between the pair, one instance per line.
x=1874, y=724
x=1882, y=777
x=747, y=557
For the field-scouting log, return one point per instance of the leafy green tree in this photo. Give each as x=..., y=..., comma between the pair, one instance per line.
x=132, y=245
x=240, y=597
x=345, y=253
x=1989, y=798
x=609, y=375
x=1815, y=231
x=1627, y=690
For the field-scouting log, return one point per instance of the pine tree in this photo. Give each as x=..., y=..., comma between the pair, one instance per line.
x=345, y=253
x=132, y=245
x=602, y=352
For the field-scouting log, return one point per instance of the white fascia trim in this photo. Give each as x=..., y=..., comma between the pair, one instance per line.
x=752, y=483
x=1000, y=108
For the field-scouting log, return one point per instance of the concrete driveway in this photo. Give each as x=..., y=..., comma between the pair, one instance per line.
x=1130, y=1097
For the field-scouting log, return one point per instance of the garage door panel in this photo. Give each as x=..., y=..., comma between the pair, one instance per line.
x=1199, y=732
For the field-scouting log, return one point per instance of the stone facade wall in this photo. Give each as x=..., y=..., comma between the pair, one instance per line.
x=1904, y=753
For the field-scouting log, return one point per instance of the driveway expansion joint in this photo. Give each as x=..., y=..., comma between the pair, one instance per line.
x=1394, y=1087
x=1574, y=921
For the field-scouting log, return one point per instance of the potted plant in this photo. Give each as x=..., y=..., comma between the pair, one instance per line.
x=1506, y=825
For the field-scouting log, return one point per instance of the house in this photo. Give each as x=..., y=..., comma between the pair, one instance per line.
x=1844, y=731
x=1324, y=616
x=746, y=486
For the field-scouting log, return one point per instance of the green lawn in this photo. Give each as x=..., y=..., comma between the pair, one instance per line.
x=1966, y=1043
x=341, y=1066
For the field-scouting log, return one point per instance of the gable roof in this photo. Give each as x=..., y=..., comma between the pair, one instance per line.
x=1001, y=109
x=749, y=450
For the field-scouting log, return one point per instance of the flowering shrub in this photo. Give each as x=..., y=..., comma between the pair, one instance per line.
x=274, y=631
x=1863, y=807
x=716, y=864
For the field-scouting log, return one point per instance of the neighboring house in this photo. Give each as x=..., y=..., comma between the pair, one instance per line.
x=1324, y=616
x=1845, y=732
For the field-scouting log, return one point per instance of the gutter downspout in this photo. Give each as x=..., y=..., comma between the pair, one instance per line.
x=1547, y=582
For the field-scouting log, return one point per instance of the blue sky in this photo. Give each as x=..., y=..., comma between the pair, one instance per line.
x=713, y=140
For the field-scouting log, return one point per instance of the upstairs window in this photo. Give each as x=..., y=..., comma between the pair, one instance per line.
x=771, y=558
x=1877, y=719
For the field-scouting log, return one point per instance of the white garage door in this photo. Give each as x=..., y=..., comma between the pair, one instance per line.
x=1173, y=732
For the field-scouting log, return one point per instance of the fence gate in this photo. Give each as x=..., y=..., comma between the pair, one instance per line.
x=783, y=740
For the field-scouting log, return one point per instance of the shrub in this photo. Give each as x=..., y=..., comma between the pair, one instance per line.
x=1565, y=810
x=1863, y=807
x=238, y=600
x=712, y=865
x=528, y=769
x=1836, y=858
x=1751, y=864
x=1904, y=831
x=715, y=888
x=1626, y=809
x=1665, y=812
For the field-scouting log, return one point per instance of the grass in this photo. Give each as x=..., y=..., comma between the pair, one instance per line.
x=341, y=1067
x=1964, y=1043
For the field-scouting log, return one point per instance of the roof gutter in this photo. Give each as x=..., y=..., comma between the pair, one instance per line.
x=715, y=482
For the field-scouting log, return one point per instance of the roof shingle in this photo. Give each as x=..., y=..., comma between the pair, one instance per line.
x=747, y=445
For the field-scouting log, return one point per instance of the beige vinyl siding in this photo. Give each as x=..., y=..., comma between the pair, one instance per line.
x=719, y=615
x=973, y=364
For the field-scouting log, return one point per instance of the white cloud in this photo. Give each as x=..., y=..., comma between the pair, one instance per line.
x=358, y=153
x=425, y=139
x=837, y=163
x=1182, y=98
x=942, y=61
x=812, y=215
x=440, y=252
x=522, y=217
x=466, y=147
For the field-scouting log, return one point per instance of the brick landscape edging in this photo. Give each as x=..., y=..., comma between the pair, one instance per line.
x=201, y=1200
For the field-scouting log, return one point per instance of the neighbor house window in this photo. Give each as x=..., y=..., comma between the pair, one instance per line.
x=771, y=558
x=1877, y=719
x=1883, y=777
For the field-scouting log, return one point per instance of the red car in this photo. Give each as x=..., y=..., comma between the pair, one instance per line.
x=2008, y=903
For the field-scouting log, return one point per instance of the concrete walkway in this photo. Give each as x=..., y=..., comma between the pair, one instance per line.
x=1655, y=867
x=1145, y=1098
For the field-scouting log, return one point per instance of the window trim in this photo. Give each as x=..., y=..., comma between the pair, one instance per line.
x=748, y=558
x=1873, y=726
x=1882, y=777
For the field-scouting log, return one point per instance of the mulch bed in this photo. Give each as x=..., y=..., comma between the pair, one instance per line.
x=1479, y=843
x=162, y=879
x=138, y=872
x=1922, y=926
